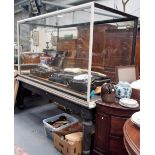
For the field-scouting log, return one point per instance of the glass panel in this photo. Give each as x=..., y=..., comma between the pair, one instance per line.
x=102, y=15
x=55, y=50
x=25, y=37
x=112, y=46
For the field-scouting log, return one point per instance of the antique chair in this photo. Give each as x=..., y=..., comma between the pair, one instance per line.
x=126, y=73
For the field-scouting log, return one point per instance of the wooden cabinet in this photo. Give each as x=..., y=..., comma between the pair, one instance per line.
x=110, y=118
x=111, y=47
x=69, y=46
x=100, y=136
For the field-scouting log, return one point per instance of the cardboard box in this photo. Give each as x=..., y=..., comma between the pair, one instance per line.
x=67, y=147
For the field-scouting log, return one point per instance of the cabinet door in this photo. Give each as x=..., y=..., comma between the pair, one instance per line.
x=102, y=132
x=117, y=125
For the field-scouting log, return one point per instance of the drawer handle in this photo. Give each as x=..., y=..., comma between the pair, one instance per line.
x=102, y=117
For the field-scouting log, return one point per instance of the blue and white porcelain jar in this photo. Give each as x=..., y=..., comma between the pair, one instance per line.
x=123, y=90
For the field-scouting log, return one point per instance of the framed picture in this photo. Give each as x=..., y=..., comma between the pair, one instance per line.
x=54, y=40
x=35, y=38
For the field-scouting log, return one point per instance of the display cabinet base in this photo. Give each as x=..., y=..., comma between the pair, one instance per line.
x=87, y=114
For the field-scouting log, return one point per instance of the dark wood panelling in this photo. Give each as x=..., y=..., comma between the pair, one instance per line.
x=101, y=143
x=138, y=52
x=111, y=47
x=117, y=125
x=69, y=46
x=117, y=146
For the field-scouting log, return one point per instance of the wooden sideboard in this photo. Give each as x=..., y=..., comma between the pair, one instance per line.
x=131, y=138
x=110, y=118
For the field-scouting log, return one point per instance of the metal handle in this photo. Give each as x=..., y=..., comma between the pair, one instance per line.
x=102, y=117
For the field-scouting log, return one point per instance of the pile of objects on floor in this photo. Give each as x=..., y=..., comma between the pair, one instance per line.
x=66, y=133
x=62, y=120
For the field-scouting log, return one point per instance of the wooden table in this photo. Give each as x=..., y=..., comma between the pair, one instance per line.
x=131, y=138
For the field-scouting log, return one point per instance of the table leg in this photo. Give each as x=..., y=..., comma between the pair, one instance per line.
x=87, y=129
x=20, y=97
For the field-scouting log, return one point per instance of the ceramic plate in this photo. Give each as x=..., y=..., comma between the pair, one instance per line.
x=135, y=118
x=130, y=103
x=74, y=70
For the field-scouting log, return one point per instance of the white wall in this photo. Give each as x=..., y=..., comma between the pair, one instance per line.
x=42, y=40
x=45, y=36
x=132, y=7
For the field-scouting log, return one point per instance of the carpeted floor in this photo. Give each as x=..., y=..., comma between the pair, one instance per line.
x=29, y=133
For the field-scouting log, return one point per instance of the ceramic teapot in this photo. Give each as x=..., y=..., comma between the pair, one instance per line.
x=123, y=90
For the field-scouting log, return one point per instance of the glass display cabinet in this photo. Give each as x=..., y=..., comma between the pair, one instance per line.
x=72, y=52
